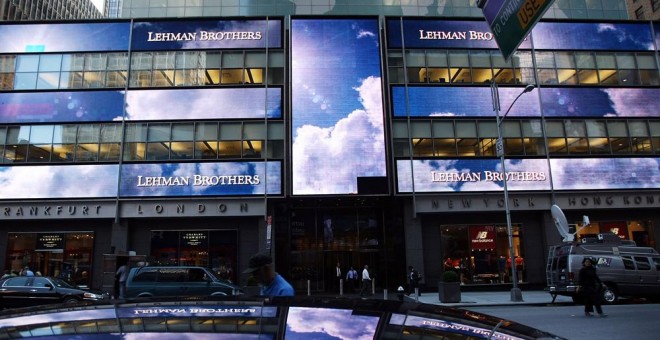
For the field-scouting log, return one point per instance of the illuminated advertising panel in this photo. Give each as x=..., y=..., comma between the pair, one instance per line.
x=212, y=103
x=463, y=175
x=605, y=173
x=201, y=179
x=324, y=323
x=441, y=34
x=216, y=311
x=206, y=34
x=656, y=29
x=65, y=316
x=337, y=112
x=449, y=327
x=593, y=36
x=452, y=101
x=599, y=102
x=80, y=106
x=59, y=181
x=70, y=37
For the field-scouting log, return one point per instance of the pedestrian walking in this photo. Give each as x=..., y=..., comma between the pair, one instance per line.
x=121, y=275
x=590, y=287
x=366, y=280
x=351, y=279
x=338, y=277
x=272, y=283
x=413, y=280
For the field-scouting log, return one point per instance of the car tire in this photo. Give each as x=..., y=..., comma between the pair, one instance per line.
x=609, y=295
x=70, y=300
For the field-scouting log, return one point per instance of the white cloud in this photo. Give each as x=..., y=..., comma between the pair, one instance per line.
x=200, y=104
x=605, y=173
x=58, y=181
x=329, y=160
x=443, y=114
x=633, y=102
x=332, y=322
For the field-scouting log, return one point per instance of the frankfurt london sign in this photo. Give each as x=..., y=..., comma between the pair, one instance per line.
x=511, y=20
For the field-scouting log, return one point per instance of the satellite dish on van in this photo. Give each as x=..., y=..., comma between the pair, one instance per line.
x=561, y=223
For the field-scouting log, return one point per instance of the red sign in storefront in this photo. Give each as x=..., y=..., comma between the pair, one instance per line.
x=482, y=237
x=619, y=228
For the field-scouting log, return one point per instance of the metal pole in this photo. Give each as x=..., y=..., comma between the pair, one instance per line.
x=309, y=288
x=416, y=294
x=385, y=294
x=341, y=286
x=516, y=294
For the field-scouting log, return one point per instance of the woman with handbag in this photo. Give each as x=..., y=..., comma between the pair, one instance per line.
x=590, y=287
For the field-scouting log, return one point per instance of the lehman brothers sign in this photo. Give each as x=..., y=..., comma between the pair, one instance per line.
x=202, y=36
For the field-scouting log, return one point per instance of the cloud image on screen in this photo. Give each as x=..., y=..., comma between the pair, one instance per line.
x=337, y=119
x=461, y=101
x=463, y=175
x=605, y=173
x=324, y=323
x=58, y=181
x=204, y=103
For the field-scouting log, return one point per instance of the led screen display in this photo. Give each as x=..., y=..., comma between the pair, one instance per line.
x=441, y=34
x=82, y=106
x=324, y=323
x=216, y=311
x=201, y=179
x=424, y=101
x=337, y=111
x=201, y=34
x=213, y=103
x=462, y=175
x=448, y=327
x=605, y=173
x=600, y=102
x=93, y=314
x=159, y=336
x=656, y=29
x=59, y=181
x=74, y=37
x=592, y=36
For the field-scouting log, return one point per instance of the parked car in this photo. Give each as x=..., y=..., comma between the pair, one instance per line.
x=626, y=270
x=25, y=291
x=176, y=281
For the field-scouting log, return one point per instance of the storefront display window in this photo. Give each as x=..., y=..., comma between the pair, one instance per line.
x=640, y=231
x=66, y=255
x=480, y=253
x=204, y=248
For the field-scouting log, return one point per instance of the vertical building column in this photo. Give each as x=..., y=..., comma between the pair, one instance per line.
x=414, y=240
x=119, y=238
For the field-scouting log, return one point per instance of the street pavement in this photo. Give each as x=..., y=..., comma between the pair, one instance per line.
x=493, y=298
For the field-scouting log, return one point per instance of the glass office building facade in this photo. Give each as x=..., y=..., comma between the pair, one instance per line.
x=363, y=140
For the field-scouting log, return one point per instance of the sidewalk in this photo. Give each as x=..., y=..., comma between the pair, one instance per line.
x=497, y=298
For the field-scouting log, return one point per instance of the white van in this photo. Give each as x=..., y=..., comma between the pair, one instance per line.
x=626, y=270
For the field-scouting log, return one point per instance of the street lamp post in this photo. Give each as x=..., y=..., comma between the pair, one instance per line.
x=516, y=294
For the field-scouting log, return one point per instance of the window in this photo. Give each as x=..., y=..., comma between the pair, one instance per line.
x=642, y=263
x=655, y=5
x=628, y=262
x=639, y=13
x=145, y=275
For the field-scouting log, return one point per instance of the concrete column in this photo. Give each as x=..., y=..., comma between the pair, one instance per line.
x=119, y=238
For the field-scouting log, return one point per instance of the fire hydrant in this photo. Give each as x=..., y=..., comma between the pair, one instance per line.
x=399, y=293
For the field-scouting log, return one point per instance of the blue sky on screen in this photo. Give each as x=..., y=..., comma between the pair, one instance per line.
x=70, y=37
x=141, y=29
x=325, y=323
x=213, y=103
x=441, y=101
x=337, y=105
x=129, y=179
x=605, y=173
x=593, y=36
x=59, y=181
x=567, y=174
x=424, y=168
